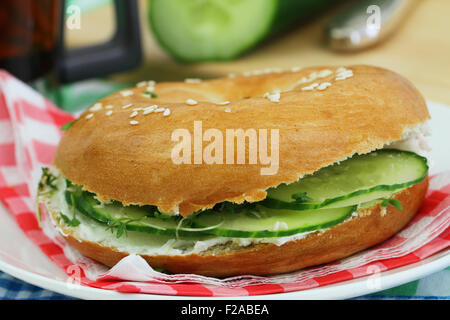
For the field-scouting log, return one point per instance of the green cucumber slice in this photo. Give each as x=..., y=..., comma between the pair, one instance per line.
x=359, y=179
x=132, y=218
x=202, y=30
x=249, y=222
x=265, y=223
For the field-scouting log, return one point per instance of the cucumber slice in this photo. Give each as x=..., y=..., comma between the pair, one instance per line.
x=266, y=223
x=132, y=218
x=201, y=30
x=359, y=179
x=249, y=222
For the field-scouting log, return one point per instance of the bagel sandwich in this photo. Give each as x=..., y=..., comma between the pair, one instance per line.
x=262, y=173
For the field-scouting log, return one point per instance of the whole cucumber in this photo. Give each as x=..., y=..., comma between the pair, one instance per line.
x=212, y=30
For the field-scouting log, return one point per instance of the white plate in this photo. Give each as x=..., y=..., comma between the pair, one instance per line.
x=21, y=258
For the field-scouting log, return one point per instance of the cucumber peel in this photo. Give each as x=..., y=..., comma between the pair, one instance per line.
x=266, y=223
x=353, y=181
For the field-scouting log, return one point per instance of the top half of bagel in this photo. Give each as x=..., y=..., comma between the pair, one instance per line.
x=323, y=115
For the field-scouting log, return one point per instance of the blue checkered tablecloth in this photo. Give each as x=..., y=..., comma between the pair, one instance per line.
x=435, y=286
x=14, y=289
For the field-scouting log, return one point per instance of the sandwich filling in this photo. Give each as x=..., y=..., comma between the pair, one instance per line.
x=330, y=196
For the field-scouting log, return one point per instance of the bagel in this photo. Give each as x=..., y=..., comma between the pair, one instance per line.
x=132, y=163
x=120, y=152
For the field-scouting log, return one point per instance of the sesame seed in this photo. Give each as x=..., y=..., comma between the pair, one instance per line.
x=295, y=69
x=302, y=80
x=192, y=80
x=150, y=88
x=344, y=74
x=127, y=106
x=324, y=73
x=90, y=115
x=191, y=102
x=96, y=107
x=141, y=84
x=323, y=86
x=313, y=75
x=160, y=109
x=137, y=109
x=133, y=114
x=126, y=93
x=166, y=112
x=109, y=107
x=274, y=97
x=149, y=109
x=151, y=83
x=227, y=110
x=223, y=103
x=134, y=122
x=310, y=87
x=109, y=112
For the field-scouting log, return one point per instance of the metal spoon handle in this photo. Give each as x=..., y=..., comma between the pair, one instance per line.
x=365, y=23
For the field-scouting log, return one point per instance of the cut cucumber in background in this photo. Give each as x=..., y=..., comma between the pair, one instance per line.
x=353, y=181
x=264, y=222
x=201, y=30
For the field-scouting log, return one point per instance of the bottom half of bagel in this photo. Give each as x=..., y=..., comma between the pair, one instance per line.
x=366, y=228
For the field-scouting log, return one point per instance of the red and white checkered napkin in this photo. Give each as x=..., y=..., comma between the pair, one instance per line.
x=29, y=133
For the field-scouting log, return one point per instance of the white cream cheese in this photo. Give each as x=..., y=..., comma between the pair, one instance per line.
x=414, y=139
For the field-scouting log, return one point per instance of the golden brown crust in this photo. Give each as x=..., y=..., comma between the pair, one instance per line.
x=132, y=163
x=371, y=227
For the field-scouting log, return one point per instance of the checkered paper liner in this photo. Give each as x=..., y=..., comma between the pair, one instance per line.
x=29, y=134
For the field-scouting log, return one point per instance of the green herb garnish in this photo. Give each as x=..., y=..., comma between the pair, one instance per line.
x=74, y=222
x=67, y=125
x=393, y=202
x=47, y=180
x=150, y=94
x=120, y=225
x=162, y=270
